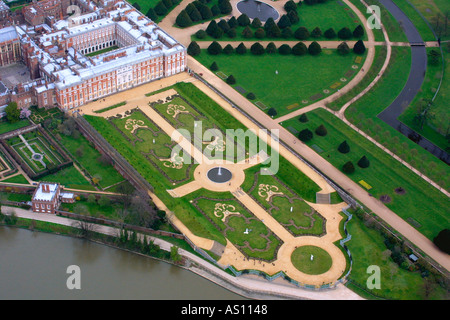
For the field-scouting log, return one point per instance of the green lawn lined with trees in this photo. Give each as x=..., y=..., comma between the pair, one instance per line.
x=284, y=82
x=403, y=192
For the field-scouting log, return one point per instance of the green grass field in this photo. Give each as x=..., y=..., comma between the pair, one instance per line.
x=421, y=202
x=299, y=78
x=6, y=126
x=425, y=32
x=321, y=261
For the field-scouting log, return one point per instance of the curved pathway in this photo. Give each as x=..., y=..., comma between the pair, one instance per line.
x=412, y=86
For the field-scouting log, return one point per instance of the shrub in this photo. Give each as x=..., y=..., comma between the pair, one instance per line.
x=358, y=32
x=193, y=49
x=290, y=5
x=442, y=240
x=305, y=135
x=344, y=147
x=200, y=34
x=284, y=49
x=223, y=25
x=348, y=167
x=206, y=12
x=243, y=20
x=256, y=23
x=241, y=49
x=257, y=49
x=316, y=33
x=269, y=24
x=284, y=22
x=247, y=32
x=214, y=66
x=151, y=14
x=345, y=33
x=303, y=118
x=225, y=6
x=321, y=131
x=183, y=20
x=231, y=79
x=274, y=32
x=231, y=33
x=215, y=48
x=260, y=33
x=293, y=17
x=161, y=9
x=215, y=10
x=434, y=57
x=364, y=162
x=286, y=33
x=228, y=49
x=359, y=47
x=343, y=49
x=233, y=22
x=251, y=96
x=299, y=49
x=314, y=48
x=271, y=48
x=301, y=33
x=272, y=112
x=330, y=33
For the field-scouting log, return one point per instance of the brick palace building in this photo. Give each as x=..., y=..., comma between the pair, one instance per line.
x=57, y=51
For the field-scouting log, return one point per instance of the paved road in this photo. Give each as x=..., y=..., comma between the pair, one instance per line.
x=413, y=85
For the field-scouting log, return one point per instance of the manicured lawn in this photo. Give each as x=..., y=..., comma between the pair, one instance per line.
x=421, y=202
x=367, y=249
x=299, y=78
x=321, y=262
x=96, y=53
x=17, y=179
x=70, y=178
x=430, y=9
x=6, y=126
x=90, y=160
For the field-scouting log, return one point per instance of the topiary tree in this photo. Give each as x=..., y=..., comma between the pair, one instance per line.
x=290, y=5
x=316, y=33
x=364, y=162
x=205, y=11
x=243, y=20
x=272, y=112
x=193, y=49
x=223, y=25
x=303, y=118
x=299, y=49
x=228, y=49
x=194, y=14
x=231, y=33
x=151, y=14
x=345, y=33
x=330, y=33
x=251, y=96
x=137, y=6
x=183, y=20
x=344, y=147
x=321, y=131
x=232, y=22
x=269, y=24
x=348, y=167
x=287, y=33
x=293, y=17
x=214, y=48
x=241, y=49
x=271, y=48
x=284, y=22
x=214, y=66
x=225, y=6
x=359, y=47
x=358, y=32
x=215, y=10
x=161, y=9
x=314, y=48
x=301, y=33
x=247, y=32
x=256, y=23
x=260, y=33
x=231, y=79
x=284, y=49
x=343, y=49
x=305, y=135
x=201, y=34
x=442, y=241
x=257, y=49
x=274, y=32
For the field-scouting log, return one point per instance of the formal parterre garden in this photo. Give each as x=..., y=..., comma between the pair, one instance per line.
x=213, y=215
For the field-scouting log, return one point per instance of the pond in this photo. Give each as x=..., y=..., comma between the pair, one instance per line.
x=257, y=9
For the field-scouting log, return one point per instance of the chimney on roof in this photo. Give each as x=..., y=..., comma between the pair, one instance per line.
x=45, y=188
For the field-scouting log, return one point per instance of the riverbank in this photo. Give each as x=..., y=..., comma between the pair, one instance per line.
x=247, y=286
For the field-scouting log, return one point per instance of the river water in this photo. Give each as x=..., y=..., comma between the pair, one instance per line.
x=33, y=265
